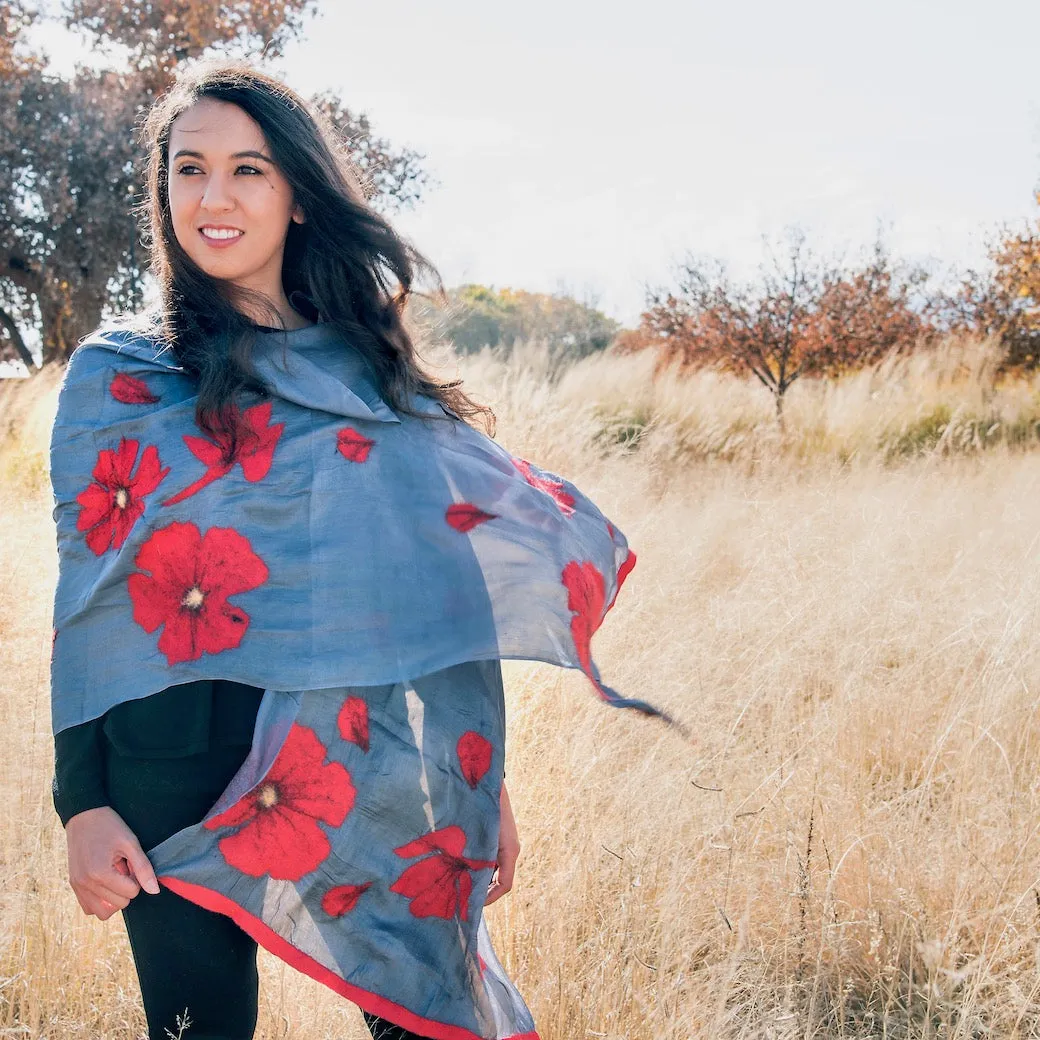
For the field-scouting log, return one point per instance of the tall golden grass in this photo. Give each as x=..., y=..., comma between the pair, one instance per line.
x=846, y=616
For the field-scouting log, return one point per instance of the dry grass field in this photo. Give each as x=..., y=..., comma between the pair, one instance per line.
x=847, y=617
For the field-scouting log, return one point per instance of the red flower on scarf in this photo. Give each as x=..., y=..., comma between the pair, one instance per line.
x=464, y=516
x=439, y=885
x=343, y=898
x=112, y=504
x=253, y=449
x=562, y=498
x=278, y=832
x=474, y=753
x=187, y=591
x=353, y=446
x=353, y=722
x=586, y=596
x=130, y=390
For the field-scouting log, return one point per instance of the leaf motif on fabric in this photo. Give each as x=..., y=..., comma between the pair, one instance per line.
x=464, y=516
x=474, y=751
x=352, y=722
x=343, y=898
x=353, y=446
x=112, y=504
x=586, y=596
x=554, y=488
x=130, y=390
x=190, y=577
x=247, y=440
x=277, y=823
x=441, y=884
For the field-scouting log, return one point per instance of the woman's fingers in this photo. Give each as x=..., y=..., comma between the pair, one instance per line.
x=141, y=867
x=502, y=879
x=105, y=861
x=98, y=900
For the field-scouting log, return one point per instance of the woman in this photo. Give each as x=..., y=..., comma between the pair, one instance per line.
x=317, y=764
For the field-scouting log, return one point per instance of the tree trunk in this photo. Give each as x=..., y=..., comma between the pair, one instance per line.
x=16, y=338
x=778, y=397
x=64, y=322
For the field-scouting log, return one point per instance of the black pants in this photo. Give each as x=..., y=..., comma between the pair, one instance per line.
x=190, y=961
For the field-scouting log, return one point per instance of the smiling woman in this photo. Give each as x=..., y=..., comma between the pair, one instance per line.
x=289, y=569
x=229, y=202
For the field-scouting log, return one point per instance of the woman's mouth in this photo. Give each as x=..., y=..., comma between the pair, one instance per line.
x=220, y=237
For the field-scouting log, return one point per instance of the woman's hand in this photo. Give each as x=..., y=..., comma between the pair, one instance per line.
x=107, y=866
x=508, y=850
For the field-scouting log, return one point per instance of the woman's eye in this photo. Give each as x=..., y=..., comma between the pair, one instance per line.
x=250, y=169
x=186, y=167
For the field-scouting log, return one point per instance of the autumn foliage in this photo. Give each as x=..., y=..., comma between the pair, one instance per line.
x=1005, y=302
x=802, y=317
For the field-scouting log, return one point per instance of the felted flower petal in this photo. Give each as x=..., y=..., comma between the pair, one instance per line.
x=343, y=898
x=352, y=722
x=450, y=839
x=130, y=390
x=474, y=753
x=464, y=516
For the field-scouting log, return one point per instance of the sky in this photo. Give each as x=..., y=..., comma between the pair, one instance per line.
x=589, y=147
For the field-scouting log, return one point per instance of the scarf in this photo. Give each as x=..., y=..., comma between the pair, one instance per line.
x=369, y=571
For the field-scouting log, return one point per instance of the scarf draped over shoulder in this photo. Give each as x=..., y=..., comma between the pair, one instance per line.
x=369, y=571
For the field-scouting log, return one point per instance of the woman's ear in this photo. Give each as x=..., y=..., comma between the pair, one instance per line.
x=297, y=215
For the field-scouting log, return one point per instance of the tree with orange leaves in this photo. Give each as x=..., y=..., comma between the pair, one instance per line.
x=1005, y=301
x=802, y=317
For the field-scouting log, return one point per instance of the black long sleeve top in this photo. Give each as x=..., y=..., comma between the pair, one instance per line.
x=187, y=719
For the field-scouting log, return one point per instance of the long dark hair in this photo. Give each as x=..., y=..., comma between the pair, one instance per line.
x=346, y=258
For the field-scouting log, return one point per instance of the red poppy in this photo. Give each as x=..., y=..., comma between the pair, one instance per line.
x=130, y=390
x=278, y=832
x=464, y=516
x=562, y=498
x=586, y=596
x=439, y=885
x=253, y=449
x=474, y=753
x=352, y=445
x=112, y=504
x=343, y=898
x=187, y=590
x=353, y=722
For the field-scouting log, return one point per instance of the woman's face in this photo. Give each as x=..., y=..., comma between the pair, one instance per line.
x=231, y=205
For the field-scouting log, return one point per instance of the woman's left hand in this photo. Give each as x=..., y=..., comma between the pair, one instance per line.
x=508, y=851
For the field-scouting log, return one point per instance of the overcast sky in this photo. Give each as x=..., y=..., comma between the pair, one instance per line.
x=589, y=146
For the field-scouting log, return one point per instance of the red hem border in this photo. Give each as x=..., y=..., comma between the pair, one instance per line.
x=270, y=940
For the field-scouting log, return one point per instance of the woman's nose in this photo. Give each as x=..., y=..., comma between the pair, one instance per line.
x=216, y=198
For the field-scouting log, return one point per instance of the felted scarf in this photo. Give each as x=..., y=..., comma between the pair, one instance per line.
x=369, y=571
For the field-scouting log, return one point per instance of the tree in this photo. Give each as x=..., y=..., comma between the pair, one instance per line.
x=70, y=168
x=1005, y=301
x=803, y=316
x=478, y=316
